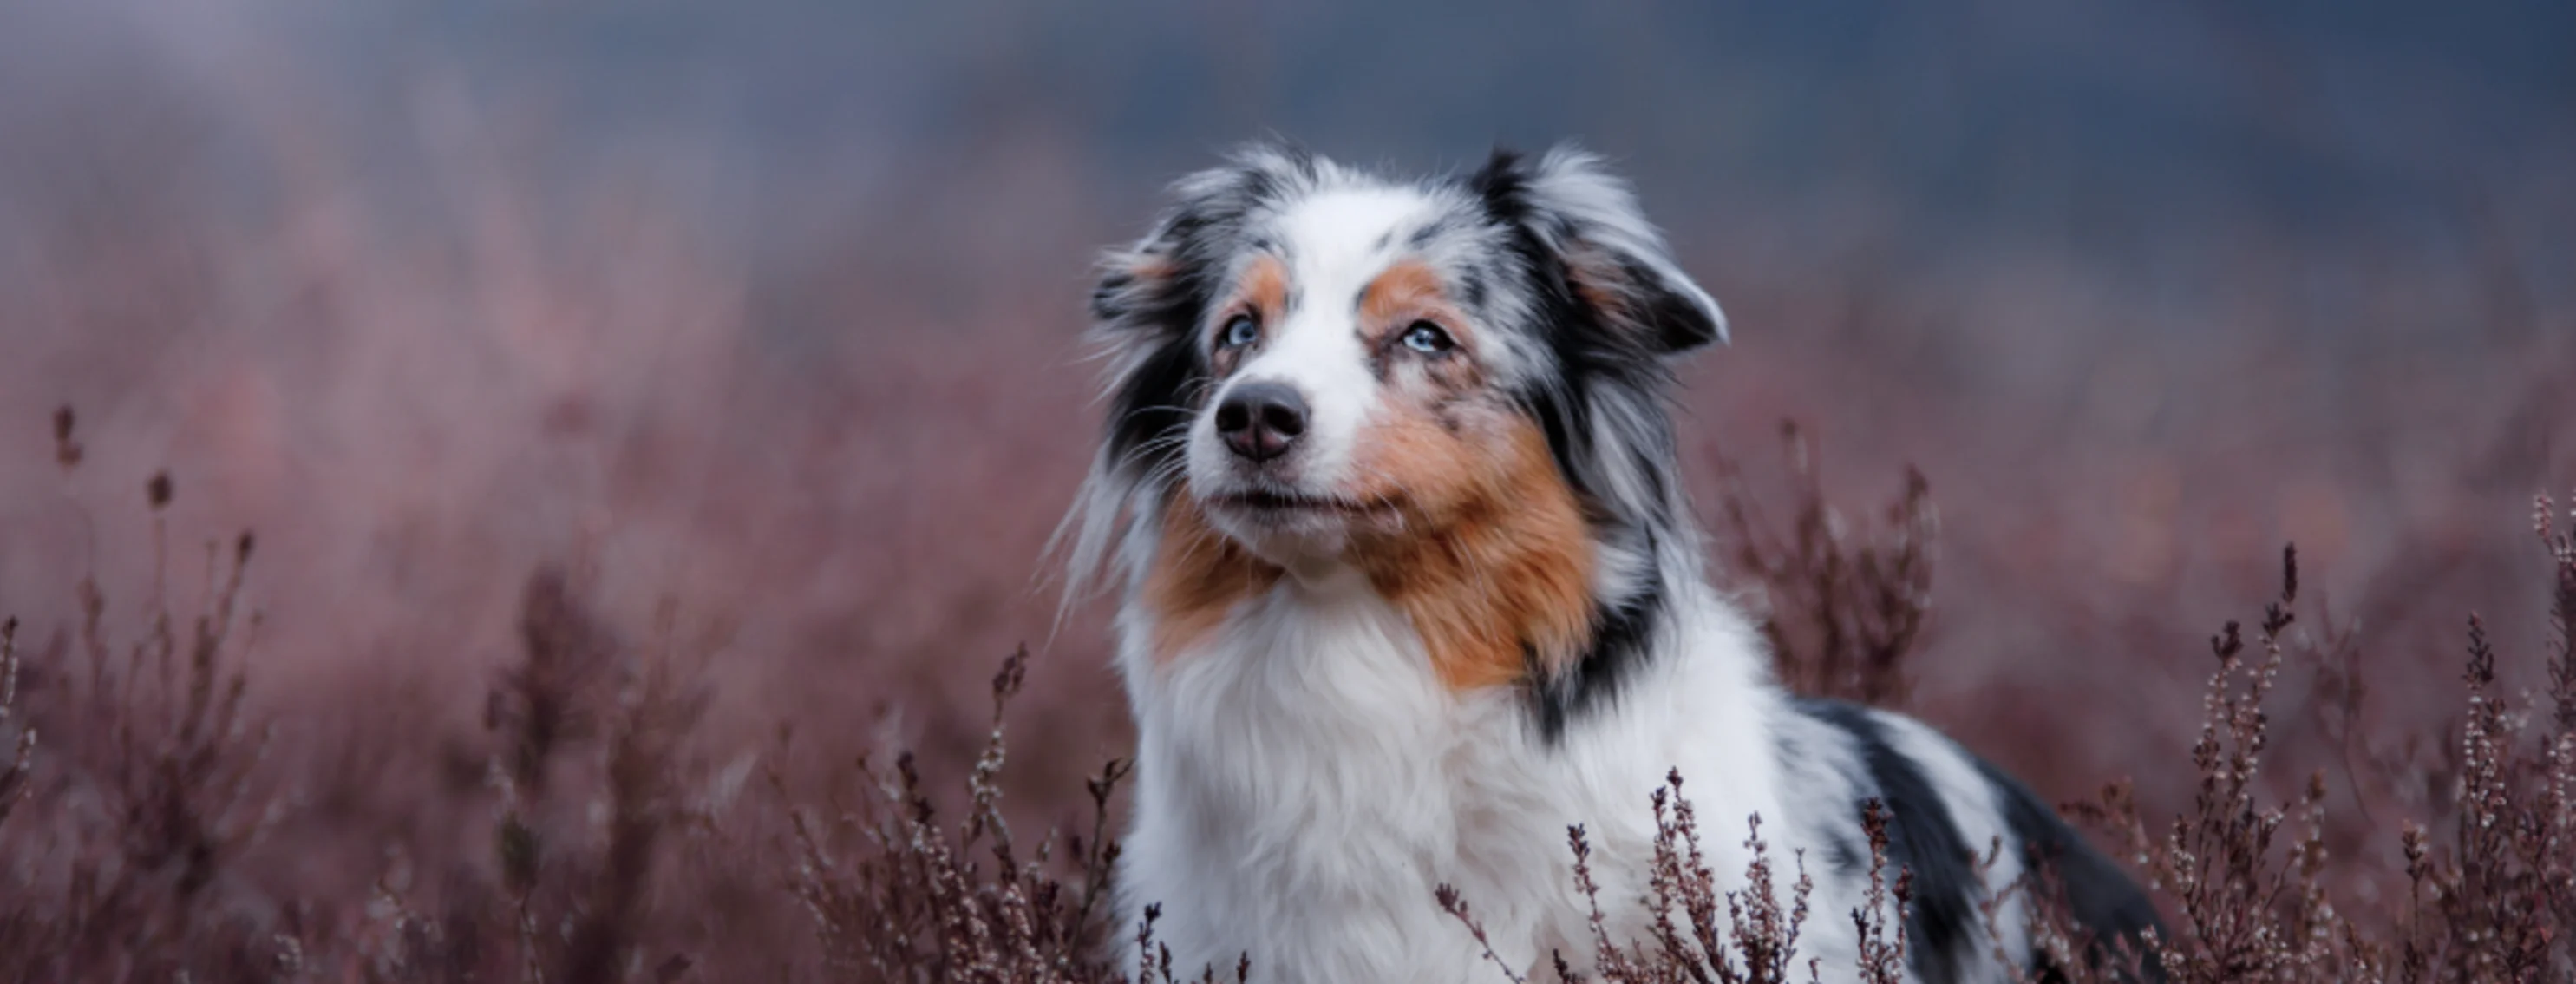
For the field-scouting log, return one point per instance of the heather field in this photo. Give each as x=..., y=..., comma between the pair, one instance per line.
x=500, y=493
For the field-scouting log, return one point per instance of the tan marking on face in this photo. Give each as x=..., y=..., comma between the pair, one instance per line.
x=1406, y=292
x=1487, y=551
x=1261, y=292
x=1263, y=288
x=1258, y=292
x=1197, y=577
x=1489, y=555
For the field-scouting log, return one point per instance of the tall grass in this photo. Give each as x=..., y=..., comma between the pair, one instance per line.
x=593, y=836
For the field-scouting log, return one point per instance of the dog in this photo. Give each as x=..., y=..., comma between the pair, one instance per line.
x=1409, y=590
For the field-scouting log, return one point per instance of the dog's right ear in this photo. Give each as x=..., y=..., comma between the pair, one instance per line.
x=1161, y=282
x=1140, y=286
x=1585, y=224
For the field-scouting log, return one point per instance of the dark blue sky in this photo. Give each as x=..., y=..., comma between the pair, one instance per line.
x=2094, y=126
x=2137, y=136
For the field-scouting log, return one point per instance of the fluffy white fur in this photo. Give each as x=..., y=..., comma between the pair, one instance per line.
x=1307, y=782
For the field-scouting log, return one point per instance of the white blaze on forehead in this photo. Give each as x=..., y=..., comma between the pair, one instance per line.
x=1340, y=240
x=1337, y=241
x=1334, y=244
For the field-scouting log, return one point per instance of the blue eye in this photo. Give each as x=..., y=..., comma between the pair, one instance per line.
x=1427, y=338
x=1239, y=332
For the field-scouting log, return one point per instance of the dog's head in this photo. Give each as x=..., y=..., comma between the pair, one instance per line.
x=1328, y=367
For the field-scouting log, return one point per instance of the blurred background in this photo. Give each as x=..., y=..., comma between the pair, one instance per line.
x=761, y=320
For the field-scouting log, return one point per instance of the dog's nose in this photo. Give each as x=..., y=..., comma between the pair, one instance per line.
x=1260, y=420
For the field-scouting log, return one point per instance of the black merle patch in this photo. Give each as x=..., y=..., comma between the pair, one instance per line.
x=1150, y=409
x=2102, y=899
x=1595, y=366
x=1941, y=922
x=1622, y=637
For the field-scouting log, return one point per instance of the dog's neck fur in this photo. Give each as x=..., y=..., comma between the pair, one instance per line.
x=1274, y=729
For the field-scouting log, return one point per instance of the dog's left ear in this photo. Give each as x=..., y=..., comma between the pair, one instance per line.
x=1585, y=224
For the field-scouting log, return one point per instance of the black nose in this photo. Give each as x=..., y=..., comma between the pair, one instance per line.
x=1261, y=420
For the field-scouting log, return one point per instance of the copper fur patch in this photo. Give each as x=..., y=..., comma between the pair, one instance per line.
x=1406, y=291
x=1492, y=561
x=1260, y=292
x=1198, y=576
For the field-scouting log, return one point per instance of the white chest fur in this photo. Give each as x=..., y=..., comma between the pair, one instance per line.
x=1298, y=790
x=1305, y=781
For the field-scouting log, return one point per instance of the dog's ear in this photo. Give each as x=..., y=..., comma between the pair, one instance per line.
x=1584, y=226
x=1159, y=282
x=1144, y=286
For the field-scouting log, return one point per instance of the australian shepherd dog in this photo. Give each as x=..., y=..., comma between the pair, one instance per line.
x=1409, y=589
